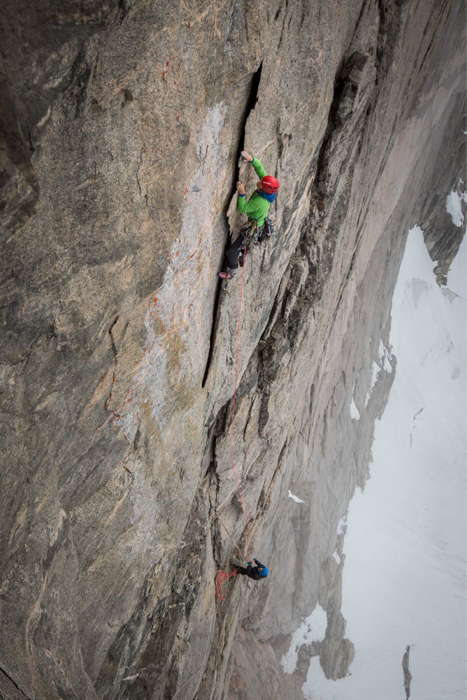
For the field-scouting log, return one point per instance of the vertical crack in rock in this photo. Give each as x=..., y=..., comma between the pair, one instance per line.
x=250, y=105
x=81, y=75
x=283, y=22
x=140, y=163
x=124, y=7
x=114, y=350
x=407, y=674
x=345, y=91
x=137, y=174
x=213, y=482
x=19, y=188
x=283, y=331
x=381, y=31
x=10, y=679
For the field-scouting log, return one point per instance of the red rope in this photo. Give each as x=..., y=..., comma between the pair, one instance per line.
x=233, y=411
x=222, y=579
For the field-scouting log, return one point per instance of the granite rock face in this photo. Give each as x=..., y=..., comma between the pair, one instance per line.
x=122, y=128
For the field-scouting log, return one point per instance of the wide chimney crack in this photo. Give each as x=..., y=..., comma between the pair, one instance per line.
x=250, y=105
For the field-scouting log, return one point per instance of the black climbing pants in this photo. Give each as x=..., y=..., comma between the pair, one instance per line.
x=234, y=251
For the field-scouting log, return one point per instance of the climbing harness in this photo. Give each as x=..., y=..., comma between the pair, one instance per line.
x=250, y=234
x=253, y=235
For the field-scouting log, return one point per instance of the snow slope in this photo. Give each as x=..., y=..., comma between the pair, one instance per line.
x=404, y=577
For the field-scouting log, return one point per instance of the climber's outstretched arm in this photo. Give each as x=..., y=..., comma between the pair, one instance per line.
x=256, y=163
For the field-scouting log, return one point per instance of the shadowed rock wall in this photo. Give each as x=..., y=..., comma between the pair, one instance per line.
x=118, y=351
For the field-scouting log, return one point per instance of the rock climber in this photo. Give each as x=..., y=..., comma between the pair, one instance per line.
x=255, y=572
x=256, y=208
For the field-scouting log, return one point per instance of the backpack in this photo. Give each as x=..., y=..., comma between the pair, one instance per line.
x=267, y=230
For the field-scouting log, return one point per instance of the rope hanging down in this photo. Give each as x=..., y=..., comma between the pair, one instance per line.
x=233, y=413
x=235, y=544
x=223, y=577
x=223, y=323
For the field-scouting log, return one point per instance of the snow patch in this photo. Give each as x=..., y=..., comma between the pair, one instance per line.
x=404, y=573
x=454, y=206
x=312, y=629
x=384, y=358
x=457, y=275
x=317, y=686
x=295, y=498
x=354, y=412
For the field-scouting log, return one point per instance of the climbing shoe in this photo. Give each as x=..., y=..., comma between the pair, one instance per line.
x=241, y=260
x=225, y=275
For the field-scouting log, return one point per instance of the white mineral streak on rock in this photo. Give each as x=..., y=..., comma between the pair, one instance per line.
x=454, y=206
x=295, y=498
x=354, y=412
x=312, y=629
x=404, y=576
x=174, y=319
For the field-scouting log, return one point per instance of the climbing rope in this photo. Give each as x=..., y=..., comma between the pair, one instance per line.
x=223, y=577
x=222, y=580
x=233, y=412
x=234, y=543
x=250, y=235
x=225, y=314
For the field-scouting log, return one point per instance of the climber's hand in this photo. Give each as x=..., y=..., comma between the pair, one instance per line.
x=240, y=188
x=247, y=156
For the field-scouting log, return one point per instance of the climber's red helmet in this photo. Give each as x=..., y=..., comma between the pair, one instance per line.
x=269, y=184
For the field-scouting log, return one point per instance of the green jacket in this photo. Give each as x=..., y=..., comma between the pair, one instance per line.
x=257, y=206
